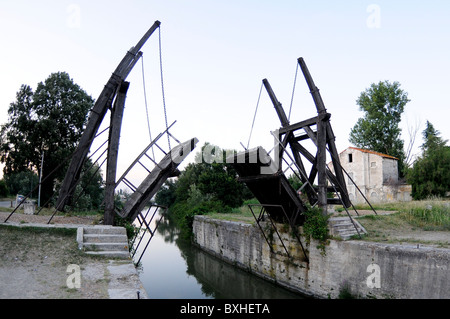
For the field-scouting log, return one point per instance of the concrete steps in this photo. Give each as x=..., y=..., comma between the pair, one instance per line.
x=343, y=227
x=105, y=241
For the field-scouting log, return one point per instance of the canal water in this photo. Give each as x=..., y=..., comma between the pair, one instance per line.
x=172, y=268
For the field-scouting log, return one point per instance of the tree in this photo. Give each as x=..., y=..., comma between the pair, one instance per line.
x=383, y=105
x=166, y=195
x=430, y=174
x=213, y=177
x=208, y=185
x=47, y=122
x=432, y=139
x=4, y=191
x=22, y=183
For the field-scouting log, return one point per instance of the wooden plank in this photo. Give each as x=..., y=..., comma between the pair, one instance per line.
x=340, y=181
x=113, y=151
x=153, y=182
x=269, y=189
x=320, y=106
x=299, y=125
x=278, y=107
x=321, y=166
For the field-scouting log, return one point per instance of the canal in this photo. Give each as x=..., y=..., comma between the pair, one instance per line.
x=172, y=268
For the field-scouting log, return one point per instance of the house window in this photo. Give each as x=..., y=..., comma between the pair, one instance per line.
x=350, y=158
x=373, y=164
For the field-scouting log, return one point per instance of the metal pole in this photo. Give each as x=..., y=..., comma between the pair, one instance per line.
x=40, y=180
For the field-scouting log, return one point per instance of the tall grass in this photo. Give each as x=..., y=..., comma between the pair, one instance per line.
x=429, y=214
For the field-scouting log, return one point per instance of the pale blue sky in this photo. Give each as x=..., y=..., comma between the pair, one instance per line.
x=216, y=53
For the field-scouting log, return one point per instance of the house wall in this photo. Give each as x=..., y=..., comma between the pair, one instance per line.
x=376, y=177
x=390, y=171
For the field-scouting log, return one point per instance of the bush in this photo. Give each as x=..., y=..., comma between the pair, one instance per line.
x=316, y=227
x=430, y=175
x=21, y=183
x=202, y=188
x=4, y=192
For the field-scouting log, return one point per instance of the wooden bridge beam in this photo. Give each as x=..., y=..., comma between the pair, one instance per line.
x=113, y=151
x=96, y=116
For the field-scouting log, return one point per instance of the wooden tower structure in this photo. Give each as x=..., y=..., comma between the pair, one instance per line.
x=265, y=177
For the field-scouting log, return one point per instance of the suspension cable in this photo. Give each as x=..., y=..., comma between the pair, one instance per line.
x=162, y=86
x=254, y=116
x=146, y=105
x=293, y=91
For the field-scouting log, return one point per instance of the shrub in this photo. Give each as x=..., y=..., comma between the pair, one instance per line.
x=316, y=227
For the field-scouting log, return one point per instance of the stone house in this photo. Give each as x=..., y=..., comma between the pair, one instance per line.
x=375, y=174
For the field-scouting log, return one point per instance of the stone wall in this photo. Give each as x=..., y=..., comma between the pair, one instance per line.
x=367, y=270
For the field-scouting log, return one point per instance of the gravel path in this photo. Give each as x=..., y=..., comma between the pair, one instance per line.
x=37, y=264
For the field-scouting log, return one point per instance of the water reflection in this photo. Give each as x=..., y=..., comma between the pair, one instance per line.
x=172, y=267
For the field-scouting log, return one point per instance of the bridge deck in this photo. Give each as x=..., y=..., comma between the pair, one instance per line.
x=166, y=168
x=269, y=185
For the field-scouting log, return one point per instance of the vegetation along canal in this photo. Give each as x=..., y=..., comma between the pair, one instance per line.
x=173, y=268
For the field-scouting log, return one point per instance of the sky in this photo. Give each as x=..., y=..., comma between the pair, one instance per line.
x=215, y=55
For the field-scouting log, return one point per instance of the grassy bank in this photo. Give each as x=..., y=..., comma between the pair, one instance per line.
x=241, y=214
x=425, y=222
x=427, y=215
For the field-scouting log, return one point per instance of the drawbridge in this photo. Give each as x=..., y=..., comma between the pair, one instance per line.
x=264, y=173
x=266, y=178
x=112, y=99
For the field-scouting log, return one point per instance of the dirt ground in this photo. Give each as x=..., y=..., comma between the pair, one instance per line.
x=34, y=264
x=19, y=217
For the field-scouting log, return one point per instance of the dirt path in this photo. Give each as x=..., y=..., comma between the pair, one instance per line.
x=19, y=217
x=35, y=263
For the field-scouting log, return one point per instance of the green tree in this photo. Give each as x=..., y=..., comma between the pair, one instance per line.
x=383, y=105
x=208, y=185
x=48, y=121
x=4, y=191
x=166, y=195
x=430, y=174
x=22, y=183
x=432, y=139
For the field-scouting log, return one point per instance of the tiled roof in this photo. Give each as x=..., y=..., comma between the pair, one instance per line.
x=373, y=152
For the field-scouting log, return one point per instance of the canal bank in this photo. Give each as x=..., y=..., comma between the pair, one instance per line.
x=362, y=269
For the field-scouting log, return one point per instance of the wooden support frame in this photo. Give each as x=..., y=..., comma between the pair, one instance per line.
x=113, y=151
x=103, y=103
x=324, y=140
